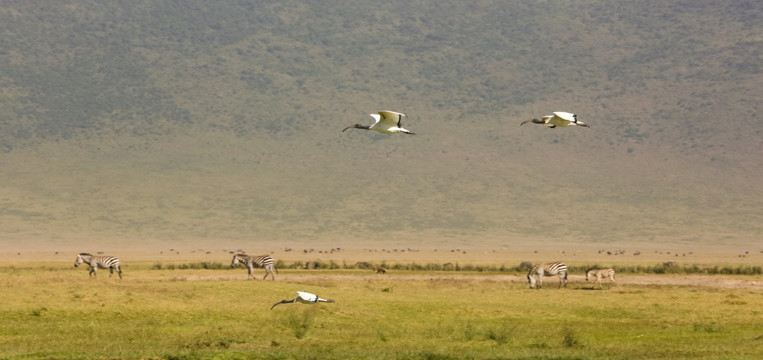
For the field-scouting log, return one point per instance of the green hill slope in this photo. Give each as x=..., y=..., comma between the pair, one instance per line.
x=137, y=123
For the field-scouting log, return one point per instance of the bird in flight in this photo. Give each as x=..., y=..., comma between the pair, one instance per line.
x=559, y=118
x=303, y=297
x=387, y=122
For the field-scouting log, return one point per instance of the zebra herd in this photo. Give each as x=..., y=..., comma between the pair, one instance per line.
x=534, y=277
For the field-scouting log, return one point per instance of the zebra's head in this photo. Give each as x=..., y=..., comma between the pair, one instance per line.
x=235, y=261
x=83, y=258
x=79, y=260
x=531, y=280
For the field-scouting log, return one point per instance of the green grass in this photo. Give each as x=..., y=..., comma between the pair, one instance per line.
x=59, y=313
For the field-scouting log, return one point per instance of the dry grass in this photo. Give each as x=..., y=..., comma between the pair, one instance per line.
x=56, y=311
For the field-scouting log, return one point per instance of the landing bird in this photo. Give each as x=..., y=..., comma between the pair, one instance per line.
x=303, y=297
x=387, y=122
x=560, y=118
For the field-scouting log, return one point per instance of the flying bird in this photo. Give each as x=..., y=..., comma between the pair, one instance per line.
x=303, y=297
x=387, y=122
x=559, y=118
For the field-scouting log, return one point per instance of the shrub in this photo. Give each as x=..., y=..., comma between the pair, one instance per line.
x=570, y=339
x=299, y=323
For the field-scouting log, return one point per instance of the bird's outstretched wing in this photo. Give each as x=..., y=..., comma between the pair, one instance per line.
x=392, y=118
x=311, y=298
x=558, y=118
x=566, y=116
x=306, y=296
x=377, y=118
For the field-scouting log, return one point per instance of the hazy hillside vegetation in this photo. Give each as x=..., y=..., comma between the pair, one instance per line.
x=129, y=122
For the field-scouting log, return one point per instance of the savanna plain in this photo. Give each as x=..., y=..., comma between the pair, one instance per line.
x=431, y=304
x=127, y=126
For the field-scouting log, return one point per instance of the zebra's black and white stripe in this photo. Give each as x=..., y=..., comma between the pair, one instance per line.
x=548, y=269
x=600, y=273
x=263, y=261
x=95, y=262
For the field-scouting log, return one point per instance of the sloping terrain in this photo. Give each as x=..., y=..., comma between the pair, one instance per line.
x=133, y=123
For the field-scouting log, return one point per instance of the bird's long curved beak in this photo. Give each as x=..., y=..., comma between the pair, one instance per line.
x=280, y=302
x=348, y=127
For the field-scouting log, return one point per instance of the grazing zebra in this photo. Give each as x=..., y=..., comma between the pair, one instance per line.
x=264, y=261
x=95, y=262
x=600, y=273
x=548, y=269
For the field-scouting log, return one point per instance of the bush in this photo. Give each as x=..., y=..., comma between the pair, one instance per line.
x=198, y=265
x=299, y=323
x=570, y=339
x=664, y=268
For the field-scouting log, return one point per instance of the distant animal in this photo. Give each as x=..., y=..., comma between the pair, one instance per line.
x=387, y=122
x=363, y=265
x=381, y=270
x=548, y=269
x=95, y=262
x=303, y=297
x=263, y=261
x=600, y=273
x=559, y=118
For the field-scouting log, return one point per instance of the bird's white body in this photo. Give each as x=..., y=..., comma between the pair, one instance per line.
x=560, y=119
x=308, y=298
x=387, y=122
x=305, y=298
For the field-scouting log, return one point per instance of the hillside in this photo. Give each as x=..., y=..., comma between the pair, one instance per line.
x=127, y=124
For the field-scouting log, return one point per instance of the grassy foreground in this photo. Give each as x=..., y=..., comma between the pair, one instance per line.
x=56, y=312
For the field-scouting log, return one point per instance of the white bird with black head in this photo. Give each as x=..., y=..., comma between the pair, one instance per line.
x=387, y=122
x=303, y=297
x=559, y=118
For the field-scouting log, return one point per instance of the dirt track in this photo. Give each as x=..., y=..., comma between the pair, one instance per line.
x=712, y=281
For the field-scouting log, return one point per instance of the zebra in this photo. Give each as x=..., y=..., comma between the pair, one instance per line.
x=548, y=269
x=263, y=261
x=95, y=262
x=600, y=273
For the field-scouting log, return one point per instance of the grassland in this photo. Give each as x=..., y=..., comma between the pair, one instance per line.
x=160, y=312
x=135, y=127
